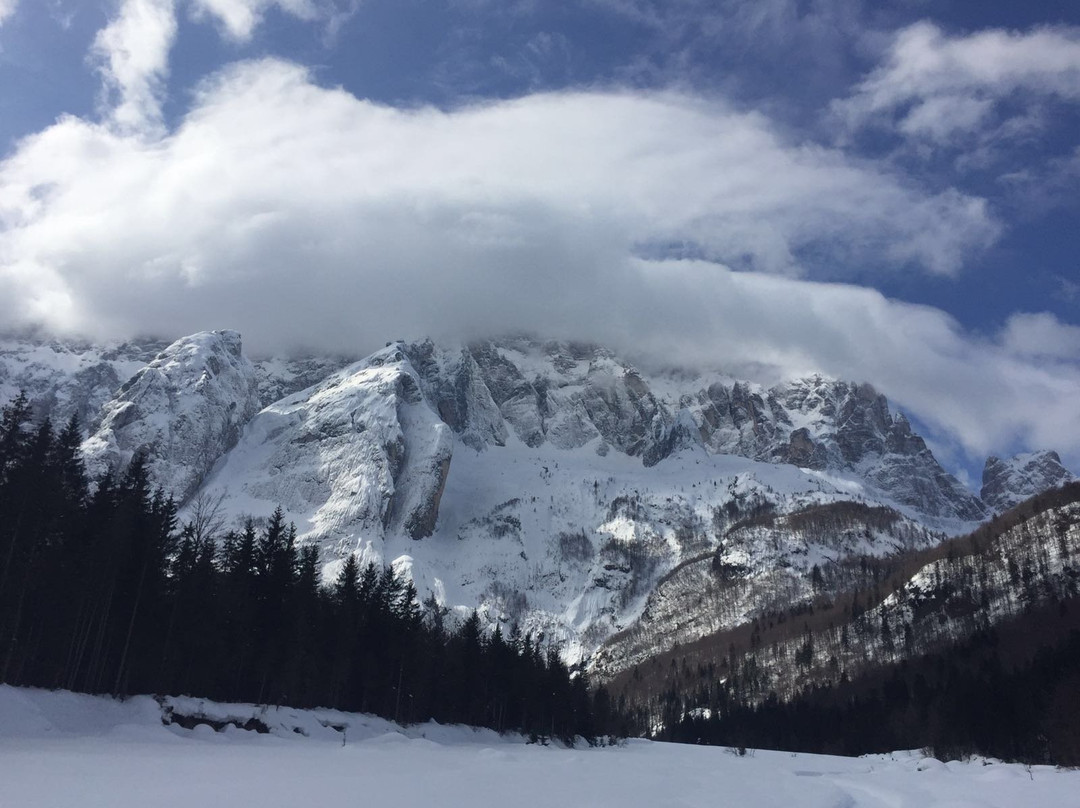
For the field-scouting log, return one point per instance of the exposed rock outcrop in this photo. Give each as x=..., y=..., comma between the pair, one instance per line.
x=821, y=424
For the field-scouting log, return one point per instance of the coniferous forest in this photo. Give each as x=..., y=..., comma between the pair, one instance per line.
x=102, y=590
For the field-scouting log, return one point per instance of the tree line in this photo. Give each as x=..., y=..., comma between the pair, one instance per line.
x=103, y=591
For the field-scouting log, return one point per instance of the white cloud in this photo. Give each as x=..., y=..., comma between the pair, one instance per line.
x=304, y=216
x=1041, y=337
x=240, y=18
x=939, y=87
x=133, y=56
x=7, y=8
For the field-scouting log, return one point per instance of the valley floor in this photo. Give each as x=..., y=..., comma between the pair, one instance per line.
x=65, y=749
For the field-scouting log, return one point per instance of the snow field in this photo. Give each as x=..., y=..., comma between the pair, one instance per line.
x=65, y=749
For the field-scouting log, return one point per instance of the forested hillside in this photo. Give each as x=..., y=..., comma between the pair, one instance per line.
x=971, y=646
x=1010, y=692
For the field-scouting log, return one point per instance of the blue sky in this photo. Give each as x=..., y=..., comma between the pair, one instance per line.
x=878, y=191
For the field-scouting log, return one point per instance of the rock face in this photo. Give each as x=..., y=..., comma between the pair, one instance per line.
x=451, y=381
x=184, y=410
x=569, y=395
x=821, y=424
x=493, y=393
x=1007, y=483
x=359, y=455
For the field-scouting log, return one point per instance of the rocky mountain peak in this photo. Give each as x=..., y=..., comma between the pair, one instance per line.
x=359, y=455
x=825, y=424
x=184, y=410
x=1006, y=483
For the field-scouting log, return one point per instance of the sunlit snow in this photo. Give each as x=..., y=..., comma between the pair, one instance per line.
x=64, y=749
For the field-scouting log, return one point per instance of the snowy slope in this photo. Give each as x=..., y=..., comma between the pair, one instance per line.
x=553, y=488
x=1032, y=563
x=821, y=423
x=551, y=484
x=568, y=394
x=281, y=376
x=570, y=542
x=761, y=566
x=63, y=749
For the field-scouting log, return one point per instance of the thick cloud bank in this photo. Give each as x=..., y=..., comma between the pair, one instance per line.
x=276, y=196
x=304, y=216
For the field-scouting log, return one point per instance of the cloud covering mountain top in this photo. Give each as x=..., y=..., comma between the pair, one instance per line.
x=673, y=224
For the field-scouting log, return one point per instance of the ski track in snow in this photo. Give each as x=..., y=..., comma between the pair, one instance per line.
x=65, y=749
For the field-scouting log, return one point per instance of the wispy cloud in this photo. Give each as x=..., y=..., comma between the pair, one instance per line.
x=7, y=8
x=240, y=18
x=1041, y=336
x=939, y=88
x=772, y=51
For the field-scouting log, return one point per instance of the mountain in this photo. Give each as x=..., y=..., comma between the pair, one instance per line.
x=281, y=376
x=823, y=424
x=1007, y=483
x=550, y=484
x=69, y=378
x=555, y=485
x=360, y=453
x=184, y=410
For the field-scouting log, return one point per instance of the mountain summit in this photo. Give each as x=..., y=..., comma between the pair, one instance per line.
x=1007, y=483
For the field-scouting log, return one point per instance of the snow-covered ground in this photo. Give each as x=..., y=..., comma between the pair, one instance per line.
x=64, y=749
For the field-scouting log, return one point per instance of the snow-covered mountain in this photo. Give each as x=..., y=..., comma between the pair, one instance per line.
x=554, y=486
x=1007, y=483
x=551, y=484
x=184, y=411
x=358, y=455
x=69, y=378
x=819, y=423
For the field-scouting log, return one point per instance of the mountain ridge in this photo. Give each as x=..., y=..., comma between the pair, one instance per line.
x=549, y=484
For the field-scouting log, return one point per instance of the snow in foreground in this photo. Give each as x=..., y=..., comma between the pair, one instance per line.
x=64, y=749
